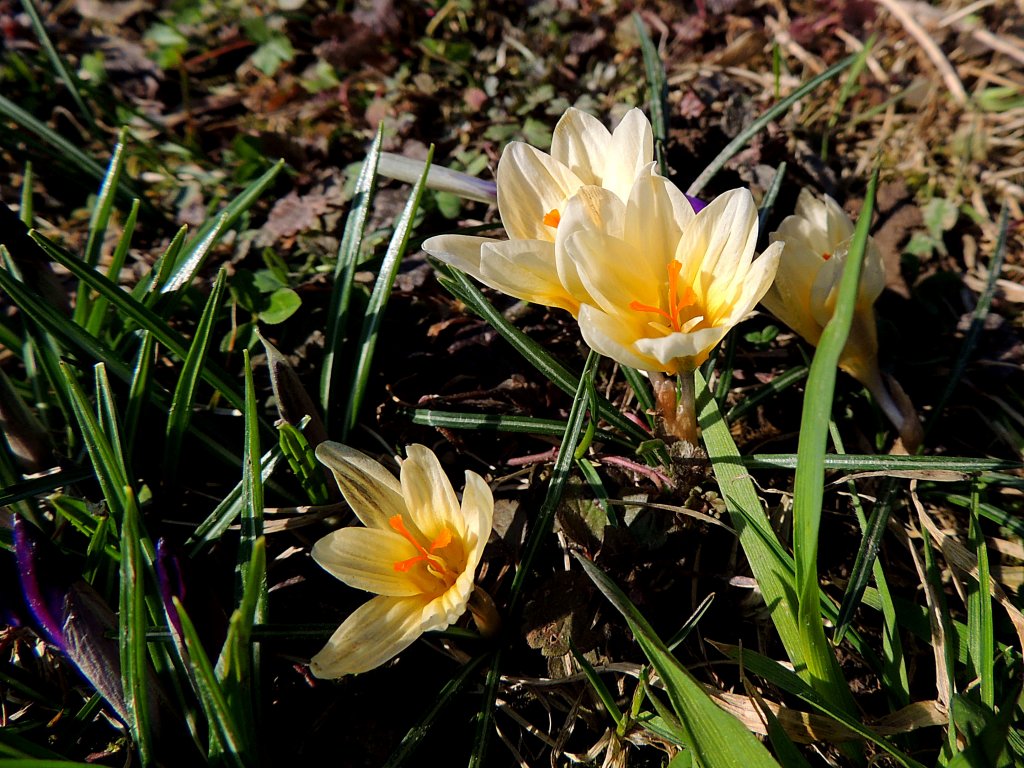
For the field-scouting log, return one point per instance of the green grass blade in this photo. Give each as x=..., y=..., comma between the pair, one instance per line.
x=657, y=91
x=870, y=462
x=894, y=672
x=462, y=288
x=252, y=498
x=642, y=389
x=98, y=225
x=132, y=635
x=758, y=125
x=109, y=471
x=213, y=527
x=791, y=683
x=184, y=392
x=192, y=255
x=14, y=492
x=978, y=317
x=344, y=274
x=147, y=290
x=193, y=259
x=496, y=422
x=227, y=744
x=606, y=697
x=98, y=313
x=106, y=416
x=379, y=299
x=981, y=638
x=238, y=668
x=849, y=87
x=61, y=147
x=138, y=392
x=716, y=738
x=771, y=564
x=302, y=461
x=415, y=735
x=142, y=316
x=823, y=669
x=27, y=210
x=559, y=477
x=769, y=390
x=70, y=81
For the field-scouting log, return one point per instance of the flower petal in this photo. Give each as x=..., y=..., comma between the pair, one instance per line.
x=373, y=493
x=365, y=558
x=478, y=512
x=631, y=149
x=610, y=336
x=591, y=209
x=581, y=143
x=656, y=214
x=530, y=185
x=372, y=634
x=682, y=351
x=460, y=251
x=429, y=496
x=525, y=269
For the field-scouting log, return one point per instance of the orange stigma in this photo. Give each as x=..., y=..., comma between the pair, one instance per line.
x=442, y=540
x=552, y=218
x=676, y=303
x=826, y=256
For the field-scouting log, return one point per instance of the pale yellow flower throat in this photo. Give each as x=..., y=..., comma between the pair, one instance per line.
x=683, y=313
x=435, y=564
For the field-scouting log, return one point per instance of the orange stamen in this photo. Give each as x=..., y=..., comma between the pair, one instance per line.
x=826, y=256
x=552, y=218
x=442, y=540
x=676, y=303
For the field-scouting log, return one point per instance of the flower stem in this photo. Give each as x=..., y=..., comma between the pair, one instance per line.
x=677, y=414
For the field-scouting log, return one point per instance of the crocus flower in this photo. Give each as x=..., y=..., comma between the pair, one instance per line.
x=418, y=552
x=533, y=190
x=817, y=238
x=666, y=283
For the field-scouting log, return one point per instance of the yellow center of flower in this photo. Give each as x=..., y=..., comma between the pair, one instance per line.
x=435, y=564
x=552, y=218
x=683, y=314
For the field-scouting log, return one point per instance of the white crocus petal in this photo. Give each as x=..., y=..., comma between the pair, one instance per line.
x=612, y=337
x=364, y=558
x=593, y=209
x=460, y=251
x=759, y=279
x=373, y=493
x=615, y=272
x=478, y=512
x=429, y=496
x=531, y=185
x=581, y=142
x=631, y=150
x=717, y=247
x=371, y=635
x=682, y=351
x=656, y=215
x=526, y=270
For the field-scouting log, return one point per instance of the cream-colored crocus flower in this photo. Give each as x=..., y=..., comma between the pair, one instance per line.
x=817, y=238
x=804, y=294
x=666, y=284
x=533, y=190
x=418, y=552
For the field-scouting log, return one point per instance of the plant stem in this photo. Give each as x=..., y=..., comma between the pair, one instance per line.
x=677, y=413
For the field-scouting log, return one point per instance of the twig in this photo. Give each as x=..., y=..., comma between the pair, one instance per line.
x=931, y=50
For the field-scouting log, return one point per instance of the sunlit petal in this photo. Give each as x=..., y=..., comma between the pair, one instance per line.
x=631, y=150
x=373, y=493
x=531, y=184
x=581, y=142
x=460, y=251
x=428, y=493
x=365, y=558
x=372, y=634
x=525, y=269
